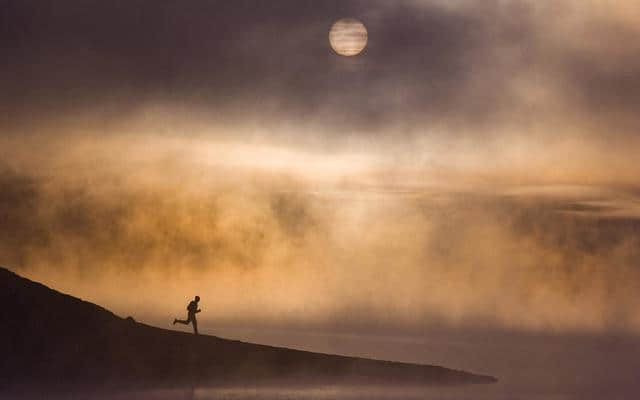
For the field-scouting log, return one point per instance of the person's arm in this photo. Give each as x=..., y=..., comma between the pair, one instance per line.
x=197, y=311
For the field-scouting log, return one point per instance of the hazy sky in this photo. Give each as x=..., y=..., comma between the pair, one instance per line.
x=476, y=166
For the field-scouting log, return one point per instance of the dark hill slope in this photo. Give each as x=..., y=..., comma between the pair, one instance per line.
x=50, y=338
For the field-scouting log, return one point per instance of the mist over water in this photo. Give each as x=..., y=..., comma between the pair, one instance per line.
x=288, y=237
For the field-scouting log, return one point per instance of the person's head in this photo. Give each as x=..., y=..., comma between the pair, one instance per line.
x=197, y=298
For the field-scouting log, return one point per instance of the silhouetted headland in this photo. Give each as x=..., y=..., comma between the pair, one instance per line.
x=49, y=339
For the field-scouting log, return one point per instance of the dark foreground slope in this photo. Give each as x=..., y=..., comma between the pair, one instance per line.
x=49, y=339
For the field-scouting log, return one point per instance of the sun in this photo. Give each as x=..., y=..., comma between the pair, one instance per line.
x=348, y=37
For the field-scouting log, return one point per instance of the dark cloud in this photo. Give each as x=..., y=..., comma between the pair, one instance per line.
x=473, y=67
x=244, y=56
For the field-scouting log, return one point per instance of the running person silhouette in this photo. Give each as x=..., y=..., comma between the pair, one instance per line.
x=192, y=310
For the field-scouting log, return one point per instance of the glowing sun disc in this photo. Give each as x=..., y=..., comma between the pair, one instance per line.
x=348, y=37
